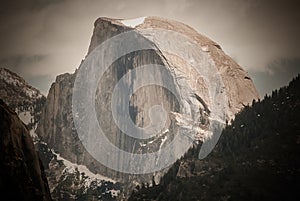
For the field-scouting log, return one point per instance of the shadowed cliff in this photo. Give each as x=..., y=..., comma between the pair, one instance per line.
x=22, y=174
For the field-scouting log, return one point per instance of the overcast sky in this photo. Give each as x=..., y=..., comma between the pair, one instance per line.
x=43, y=38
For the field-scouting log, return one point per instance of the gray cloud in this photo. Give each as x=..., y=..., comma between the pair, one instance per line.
x=16, y=61
x=254, y=32
x=279, y=73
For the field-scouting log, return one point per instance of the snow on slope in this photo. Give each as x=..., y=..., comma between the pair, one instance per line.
x=72, y=167
x=78, y=180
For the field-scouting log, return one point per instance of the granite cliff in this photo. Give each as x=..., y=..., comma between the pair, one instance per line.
x=56, y=126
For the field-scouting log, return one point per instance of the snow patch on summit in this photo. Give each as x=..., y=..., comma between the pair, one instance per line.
x=133, y=22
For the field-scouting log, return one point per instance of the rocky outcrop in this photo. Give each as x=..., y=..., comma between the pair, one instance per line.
x=57, y=128
x=24, y=99
x=22, y=175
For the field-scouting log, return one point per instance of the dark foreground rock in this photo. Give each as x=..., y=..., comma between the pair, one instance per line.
x=22, y=174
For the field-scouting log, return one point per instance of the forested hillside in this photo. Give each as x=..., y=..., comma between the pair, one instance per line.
x=256, y=158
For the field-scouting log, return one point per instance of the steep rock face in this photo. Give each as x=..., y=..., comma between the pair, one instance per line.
x=57, y=129
x=22, y=174
x=239, y=86
x=59, y=121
